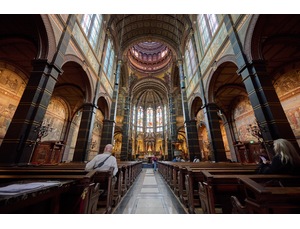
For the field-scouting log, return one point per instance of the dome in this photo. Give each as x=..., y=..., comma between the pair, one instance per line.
x=149, y=57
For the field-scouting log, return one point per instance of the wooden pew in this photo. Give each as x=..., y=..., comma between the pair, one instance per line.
x=216, y=191
x=130, y=169
x=77, y=193
x=118, y=187
x=84, y=194
x=279, y=195
x=180, y=180
x=195, y=175
x=107, y=184
x=170, y=169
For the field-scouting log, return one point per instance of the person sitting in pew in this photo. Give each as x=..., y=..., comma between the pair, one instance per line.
x=174, y=159
x=103, y=161
x=286, y=159
x=196, y=159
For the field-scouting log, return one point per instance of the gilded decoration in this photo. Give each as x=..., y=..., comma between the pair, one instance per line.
x=11, y=89
x=288, y=89
x=243, y=115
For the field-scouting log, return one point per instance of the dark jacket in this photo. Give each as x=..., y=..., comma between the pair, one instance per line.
x=276, y=167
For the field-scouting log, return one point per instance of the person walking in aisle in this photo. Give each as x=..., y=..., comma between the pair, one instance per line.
x=154, y=162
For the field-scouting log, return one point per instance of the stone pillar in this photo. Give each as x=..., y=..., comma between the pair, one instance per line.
x=214, y=133
x=170, y=151
x=85, y=132
x=20, y=139
x=125, y=153
x=109, y=125
x=261, y=92
x=190, y=125
x=172, y=133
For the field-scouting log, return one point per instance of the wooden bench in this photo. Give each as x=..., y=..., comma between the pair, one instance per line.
x=106, y=183
x=195, y=175
x=92, y=192
x=277, y=195
x=77, y=197
x=216, y=191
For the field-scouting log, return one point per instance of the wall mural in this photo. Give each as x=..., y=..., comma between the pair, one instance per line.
x=203, y=136
x=50, y=142
x=243, y=116
x=12, y=87
x=96, y=135
x=72, y=137
x=225, y=140
x=287, y=88
x=56, y=117
x=117, y=145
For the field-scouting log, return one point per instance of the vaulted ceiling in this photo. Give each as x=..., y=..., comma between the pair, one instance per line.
x=134, y=28
x=151, y=44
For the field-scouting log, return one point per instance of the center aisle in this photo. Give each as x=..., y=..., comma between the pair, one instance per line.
x=149, y=195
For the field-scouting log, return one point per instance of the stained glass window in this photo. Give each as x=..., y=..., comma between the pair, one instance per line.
x=149, y=120
x=109, y=59
x=91, y=24
x=208, y=24
x=159, y=119
x=140, y=119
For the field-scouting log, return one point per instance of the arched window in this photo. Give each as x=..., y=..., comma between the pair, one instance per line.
x=140, y=116
x=208, y=24
x=159, y=119
x=149, y=120
x=109, y=59
x=133, y=115
x=91, y=24
x=190, y=61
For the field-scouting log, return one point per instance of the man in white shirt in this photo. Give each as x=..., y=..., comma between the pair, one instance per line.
x=111, y=161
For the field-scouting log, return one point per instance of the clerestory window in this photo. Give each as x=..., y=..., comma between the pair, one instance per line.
x=208, y=24
x=109, y=59
x=91, y=24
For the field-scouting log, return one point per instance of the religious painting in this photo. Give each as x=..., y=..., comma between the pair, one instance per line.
x=56, y=118
x=12, y=87
x=243, y=115
x=287, y=87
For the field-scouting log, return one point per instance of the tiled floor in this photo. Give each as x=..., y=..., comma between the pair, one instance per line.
x=149, y=195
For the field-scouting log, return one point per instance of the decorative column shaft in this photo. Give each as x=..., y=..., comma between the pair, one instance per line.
x=109, y=125
x=261, y=92
x=85, y=132
x=190, y=125
x=214, y=133
x=125, y=148
x=173, y=131
x=18, y=145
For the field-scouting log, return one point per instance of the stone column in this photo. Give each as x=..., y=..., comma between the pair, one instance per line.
x=20, y=138
x=190, y=125
x=214, y=133
x=85, y=132
x=172, y=133
x=125, y=154
x=109, y=124
x=18, y=145
x=261, y=92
